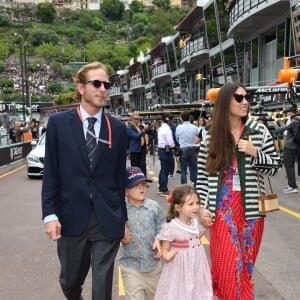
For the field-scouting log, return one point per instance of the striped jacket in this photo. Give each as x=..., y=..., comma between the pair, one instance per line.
x=267, y=162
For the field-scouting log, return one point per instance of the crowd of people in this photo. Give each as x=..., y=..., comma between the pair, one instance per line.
x=92, y=201
x=182, y=144
x=176, y=143
x=17, y=130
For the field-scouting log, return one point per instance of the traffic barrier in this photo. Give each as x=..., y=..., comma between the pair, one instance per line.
x=12, y=153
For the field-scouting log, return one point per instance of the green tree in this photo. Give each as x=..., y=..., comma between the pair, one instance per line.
x=6, y=83
x=2, y=67
x=163, y=4
x=4, y=21
x=64, y=98
x=70, y=53
x=39, y=36
x=157, y=29
x=140, y=18
x=120, y=57
x=136, y=7
x=55, y=87
x=46, y=12
x=56, y=67
x=113, y=9
x=98, y=51
x=4, y=51
x=41, y=98
x=48, y=52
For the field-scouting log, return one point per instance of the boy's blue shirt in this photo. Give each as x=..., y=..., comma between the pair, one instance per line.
x=144, y=223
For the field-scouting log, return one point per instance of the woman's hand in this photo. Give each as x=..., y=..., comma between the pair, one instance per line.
x=247, y=147
x=206, y=218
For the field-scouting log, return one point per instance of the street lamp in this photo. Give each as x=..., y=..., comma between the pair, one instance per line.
x=20, y=43
x=199, y=77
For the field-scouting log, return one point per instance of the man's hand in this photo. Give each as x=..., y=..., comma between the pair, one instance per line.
x=127, y=236
x=157, y=248
x=53, y=230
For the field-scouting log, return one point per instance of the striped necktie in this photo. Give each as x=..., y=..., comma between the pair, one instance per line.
x=91, y=143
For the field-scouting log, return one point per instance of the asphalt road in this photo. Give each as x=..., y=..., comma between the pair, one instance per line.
x=29, y=265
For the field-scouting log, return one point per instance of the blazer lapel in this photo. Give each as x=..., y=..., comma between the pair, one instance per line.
x=103, y=135
x=79, y=138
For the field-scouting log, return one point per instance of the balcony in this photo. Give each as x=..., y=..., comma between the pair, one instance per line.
x=252, y=17
x=195, y=53
x=160, y=73
x=115, y=91
x=136, y=84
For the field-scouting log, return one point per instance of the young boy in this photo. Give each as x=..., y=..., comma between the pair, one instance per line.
x=140, y=252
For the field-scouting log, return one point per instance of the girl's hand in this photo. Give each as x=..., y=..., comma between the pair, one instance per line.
x=169, y=255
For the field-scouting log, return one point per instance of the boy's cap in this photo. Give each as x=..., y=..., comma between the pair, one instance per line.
x=134, y=177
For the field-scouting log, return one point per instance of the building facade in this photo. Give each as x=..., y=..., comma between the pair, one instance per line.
x=243, y=41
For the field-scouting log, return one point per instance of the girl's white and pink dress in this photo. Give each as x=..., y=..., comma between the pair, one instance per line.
x=187, y=276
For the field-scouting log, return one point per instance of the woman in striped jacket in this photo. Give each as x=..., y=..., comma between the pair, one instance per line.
x=227, y=182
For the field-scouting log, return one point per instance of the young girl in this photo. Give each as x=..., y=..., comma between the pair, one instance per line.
x=186, y=273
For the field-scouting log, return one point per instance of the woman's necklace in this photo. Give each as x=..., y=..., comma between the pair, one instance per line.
x=237, y=133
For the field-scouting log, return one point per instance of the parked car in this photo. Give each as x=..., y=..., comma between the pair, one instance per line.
x=35, y=159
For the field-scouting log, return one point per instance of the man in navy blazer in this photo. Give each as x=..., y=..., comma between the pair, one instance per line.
x=84, y=206
x=138, y=143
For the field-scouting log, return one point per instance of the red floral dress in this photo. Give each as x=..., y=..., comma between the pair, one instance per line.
x=234, y=243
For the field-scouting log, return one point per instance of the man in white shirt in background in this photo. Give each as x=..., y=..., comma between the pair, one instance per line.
x=165, y=144
x=185, y=135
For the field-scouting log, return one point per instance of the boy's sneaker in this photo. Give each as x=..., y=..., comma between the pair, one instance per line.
x=290, y=190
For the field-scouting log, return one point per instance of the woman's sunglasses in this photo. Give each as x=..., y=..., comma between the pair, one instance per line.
x=97, y=83
x=239, y=98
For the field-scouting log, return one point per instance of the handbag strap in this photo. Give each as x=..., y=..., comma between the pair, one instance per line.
x=259, y=182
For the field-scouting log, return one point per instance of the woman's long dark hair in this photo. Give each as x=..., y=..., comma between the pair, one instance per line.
x=222, y=144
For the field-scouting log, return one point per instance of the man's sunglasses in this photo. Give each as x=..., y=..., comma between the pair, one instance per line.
x=97, y=83
x=239, y=98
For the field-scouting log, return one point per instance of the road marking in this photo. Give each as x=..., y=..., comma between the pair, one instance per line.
x=204, y=240
x=290, y=212
x=121, y=286
x=12, y=171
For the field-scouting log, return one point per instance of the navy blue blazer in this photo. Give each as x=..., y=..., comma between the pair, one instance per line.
x=135, y=137
x=68, y=179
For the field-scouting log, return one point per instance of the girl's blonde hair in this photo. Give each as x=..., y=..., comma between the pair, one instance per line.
x=179, y=195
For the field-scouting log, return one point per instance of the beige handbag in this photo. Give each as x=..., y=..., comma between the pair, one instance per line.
x=268, y=202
